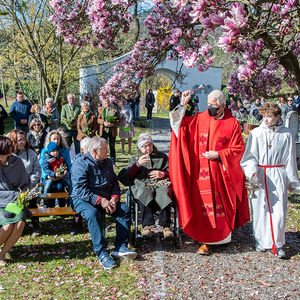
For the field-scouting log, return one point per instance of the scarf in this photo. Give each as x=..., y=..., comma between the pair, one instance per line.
x=48, y=109
x=37, y=135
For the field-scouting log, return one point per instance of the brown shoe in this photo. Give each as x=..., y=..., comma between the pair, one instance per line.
x=168, y=234
x=146, y=232
x=205, y=249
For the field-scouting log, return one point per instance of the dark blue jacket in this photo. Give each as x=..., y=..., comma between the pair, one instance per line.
x=19, y=111
x=91, y=178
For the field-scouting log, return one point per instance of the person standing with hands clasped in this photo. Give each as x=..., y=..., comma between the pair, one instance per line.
x=150, y=101
x=270, y=159
x=207, y=179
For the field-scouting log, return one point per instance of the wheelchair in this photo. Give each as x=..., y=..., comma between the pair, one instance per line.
x=135, y=235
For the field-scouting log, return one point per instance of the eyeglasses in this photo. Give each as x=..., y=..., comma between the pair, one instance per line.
x=147, y=146
x=36, y=124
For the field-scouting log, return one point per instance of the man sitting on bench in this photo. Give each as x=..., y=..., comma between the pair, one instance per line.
x=95, y=190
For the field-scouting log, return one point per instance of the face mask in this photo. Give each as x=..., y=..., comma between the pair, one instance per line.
x=213, y=111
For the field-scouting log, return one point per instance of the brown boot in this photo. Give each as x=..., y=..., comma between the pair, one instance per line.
x=146, y=232
x=168, y=234
x=205, y=249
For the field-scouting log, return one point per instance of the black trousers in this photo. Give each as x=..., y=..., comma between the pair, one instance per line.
x=149, y=112
x=148, y=211
x=112, y=140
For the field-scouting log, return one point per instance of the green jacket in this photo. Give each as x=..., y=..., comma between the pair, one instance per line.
x=66, y=114
x=140, y=188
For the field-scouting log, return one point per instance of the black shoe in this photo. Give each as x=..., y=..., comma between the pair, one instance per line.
x=73, y=231
x=142, y=125
x=37, y=230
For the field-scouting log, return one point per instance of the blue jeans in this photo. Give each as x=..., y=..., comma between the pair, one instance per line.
x=137, y=110
x=51, y=186
x=72, y=134
x=92, y=215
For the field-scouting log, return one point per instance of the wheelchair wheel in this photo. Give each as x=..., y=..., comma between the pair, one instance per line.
x=134, y=241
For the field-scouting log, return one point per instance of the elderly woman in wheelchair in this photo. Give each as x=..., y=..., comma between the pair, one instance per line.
x=147, y=174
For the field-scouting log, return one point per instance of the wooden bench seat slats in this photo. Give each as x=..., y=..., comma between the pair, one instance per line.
x=53, y=195
x=49, y=211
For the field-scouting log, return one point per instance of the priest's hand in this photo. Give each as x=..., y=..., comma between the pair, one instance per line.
x=186, y=96
x=211, y=154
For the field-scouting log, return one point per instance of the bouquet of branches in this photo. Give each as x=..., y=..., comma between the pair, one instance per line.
x=110, y=117
x=252, y=121
x=165, y=182
x=24, y=197
x=86, y=131
x=72, y=117
x=61, y=169
x=48, y=116
x=243, y=120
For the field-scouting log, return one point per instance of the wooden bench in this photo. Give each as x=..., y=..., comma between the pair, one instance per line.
x=59, y=211
x=52, y=211
x=52, y=196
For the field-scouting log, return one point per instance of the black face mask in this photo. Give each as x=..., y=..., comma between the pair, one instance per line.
x=213, y=111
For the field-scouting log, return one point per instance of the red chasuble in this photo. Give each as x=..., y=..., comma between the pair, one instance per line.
x=211, y=195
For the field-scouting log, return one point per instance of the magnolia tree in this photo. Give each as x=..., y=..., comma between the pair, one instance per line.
x=263, y=34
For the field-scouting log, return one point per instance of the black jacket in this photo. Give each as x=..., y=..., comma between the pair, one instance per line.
x=150, y=100
x=3, y=114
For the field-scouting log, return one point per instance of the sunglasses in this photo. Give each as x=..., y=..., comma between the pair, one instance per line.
x=36, y=124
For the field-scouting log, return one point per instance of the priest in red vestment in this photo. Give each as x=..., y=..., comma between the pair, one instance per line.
x=207, y=179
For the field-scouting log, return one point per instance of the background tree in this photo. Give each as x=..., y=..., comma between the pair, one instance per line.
x=263, y=34
x=37, y=61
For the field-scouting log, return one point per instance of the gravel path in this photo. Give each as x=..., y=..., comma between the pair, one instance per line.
x=233, y=271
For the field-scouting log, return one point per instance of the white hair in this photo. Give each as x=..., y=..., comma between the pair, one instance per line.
x=49, y=100
x=70, y=95
x=143, y=139
x=217, y=94
x=96, y=143
x=85, y=143
x=85, y=102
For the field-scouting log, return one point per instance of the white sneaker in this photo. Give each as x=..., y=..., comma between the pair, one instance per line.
x=281, y=253
x=260, y=248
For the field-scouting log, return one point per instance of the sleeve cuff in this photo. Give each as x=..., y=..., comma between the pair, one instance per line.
x=133, y=170
x=115, y=196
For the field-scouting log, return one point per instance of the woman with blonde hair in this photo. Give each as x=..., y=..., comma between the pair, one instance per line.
x=56, y=137
x=36, y=135
x=37, y=114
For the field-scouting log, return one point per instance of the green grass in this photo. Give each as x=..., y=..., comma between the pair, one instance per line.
x=57, y=265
